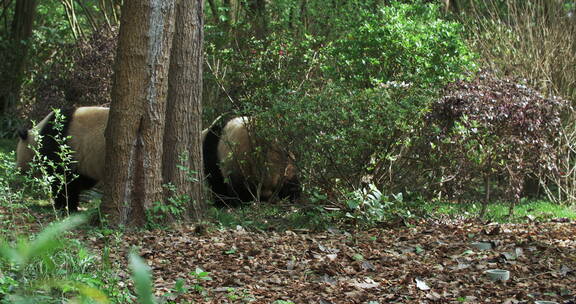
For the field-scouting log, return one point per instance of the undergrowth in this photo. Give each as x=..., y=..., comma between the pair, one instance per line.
x=7, y=145
x=526, y=211
x=266, y=217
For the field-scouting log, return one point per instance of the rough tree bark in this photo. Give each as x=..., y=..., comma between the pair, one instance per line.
x=136, y=123
x=184, y=108
x=16, y=54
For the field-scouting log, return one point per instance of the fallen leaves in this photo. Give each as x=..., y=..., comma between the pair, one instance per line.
x=432, y=263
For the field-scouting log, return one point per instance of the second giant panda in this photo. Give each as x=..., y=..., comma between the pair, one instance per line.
x=240, y=168
x=84, y=129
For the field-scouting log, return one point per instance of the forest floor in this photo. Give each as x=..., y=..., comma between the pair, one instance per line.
x=429, y=261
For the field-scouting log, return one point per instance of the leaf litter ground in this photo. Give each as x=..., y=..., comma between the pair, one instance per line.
x=431, y=262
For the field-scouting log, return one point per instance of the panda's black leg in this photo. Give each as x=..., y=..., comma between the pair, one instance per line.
x=291, y=190
x=71, y=194
x=240, y=190
x=60, y=199
x=78, y=185
x=68, y=196
x=73, y=200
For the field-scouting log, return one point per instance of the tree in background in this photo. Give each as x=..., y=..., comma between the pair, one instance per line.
x=136, y=127
x=182, y=158
x=12, y=72
x=136, y=123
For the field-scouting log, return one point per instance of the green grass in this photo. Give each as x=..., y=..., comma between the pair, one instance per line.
x=537, y=210
x=265, y=216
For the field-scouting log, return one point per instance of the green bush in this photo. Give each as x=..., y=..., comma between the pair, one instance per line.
x=348, y=108
x=341, y=138
x=249, y=78
x=401, y=43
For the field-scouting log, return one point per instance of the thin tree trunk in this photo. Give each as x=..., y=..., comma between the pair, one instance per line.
x=72, y=19
x=257, y=16
x=486, y=195
x=184, y=108
x=136, y=123
x=233, y=17
x=304, y=15
x=233, y=7
x=16, y=54
x=214, y=10
x=89, y=16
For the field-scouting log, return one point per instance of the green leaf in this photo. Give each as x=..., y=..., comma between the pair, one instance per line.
x=92, y=293
x=418, y=250
x=358, y=257
x=10, y=253
x=47, y=240
x=142, y=279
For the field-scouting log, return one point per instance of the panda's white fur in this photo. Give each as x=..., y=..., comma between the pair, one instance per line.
x=247, y=167
x=85, y=126
x=87, y=139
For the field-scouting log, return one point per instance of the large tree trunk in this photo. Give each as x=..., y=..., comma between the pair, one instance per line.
x=136, y=123
x=184, y=109
x=16, y=53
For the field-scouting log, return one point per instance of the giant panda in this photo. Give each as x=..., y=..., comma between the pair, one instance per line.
x=84, y=129
x=239, y=168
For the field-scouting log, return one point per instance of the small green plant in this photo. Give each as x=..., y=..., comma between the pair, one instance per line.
x=191, y=175
x=369, y=206
x=34, y=267
x=198, y=276
x=239, y=294
x=174, y=207
x=9, y=196
x=50, y=175
x=179, y=288
x=143, y=281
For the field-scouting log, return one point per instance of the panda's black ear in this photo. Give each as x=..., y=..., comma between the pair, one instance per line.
x=23, y=133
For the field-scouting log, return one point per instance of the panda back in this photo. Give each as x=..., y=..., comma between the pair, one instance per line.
x=234, y=147
x=86, y=129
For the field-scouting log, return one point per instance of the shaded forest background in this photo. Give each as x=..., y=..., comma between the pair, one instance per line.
x=397, y=113
x=397, y=100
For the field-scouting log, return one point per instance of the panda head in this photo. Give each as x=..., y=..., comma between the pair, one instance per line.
x=261, y=161
x=24, y=153
x=291, y=187
x=27, y=142
x=280, y=175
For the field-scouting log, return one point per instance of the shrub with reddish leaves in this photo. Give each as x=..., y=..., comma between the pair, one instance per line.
x=491, y=133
